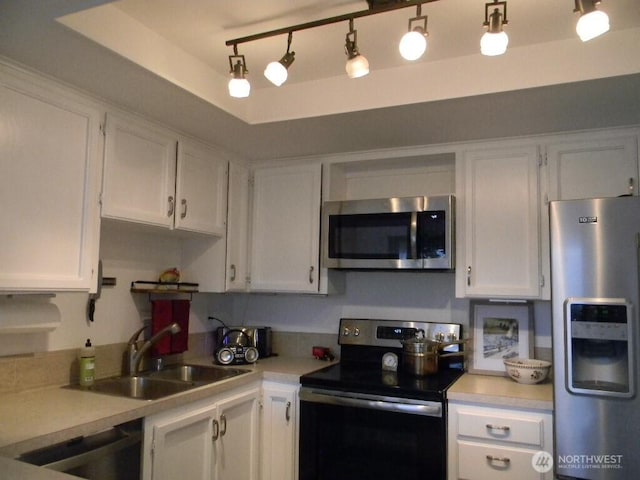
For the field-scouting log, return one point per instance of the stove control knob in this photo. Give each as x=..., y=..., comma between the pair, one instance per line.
x=346, y=332
x=439, y=337
x=452, y=337
x=356, y=332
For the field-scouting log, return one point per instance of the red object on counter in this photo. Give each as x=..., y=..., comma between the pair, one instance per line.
x=322, y=353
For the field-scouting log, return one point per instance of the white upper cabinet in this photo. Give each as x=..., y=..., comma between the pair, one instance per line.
x=498, y=247
x=237, y=228
x=201, y=190
x=597, y=165
x=49, y=186
x=139, y=172
x=285, y=253
x=152, y=178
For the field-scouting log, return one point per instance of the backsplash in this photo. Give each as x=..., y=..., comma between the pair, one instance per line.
x=48, y=369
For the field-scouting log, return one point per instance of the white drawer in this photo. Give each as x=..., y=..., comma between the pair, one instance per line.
x=488, y=462
x=525, y=429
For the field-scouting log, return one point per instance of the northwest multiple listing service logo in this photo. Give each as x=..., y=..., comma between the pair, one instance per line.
x=542, y=462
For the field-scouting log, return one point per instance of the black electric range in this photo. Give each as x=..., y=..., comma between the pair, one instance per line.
x=364, y=344
x=360, y=420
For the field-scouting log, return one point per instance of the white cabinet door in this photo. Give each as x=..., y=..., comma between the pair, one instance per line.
x=604, y=165
x=237, y=228
x=493, y=443
x=214, y=438
x=501, y=224
x=236, y=449
x=178, y=445
x=279, y=432
x=49, y=187
x=285, y=251
x=139, y=172
x=201, y=189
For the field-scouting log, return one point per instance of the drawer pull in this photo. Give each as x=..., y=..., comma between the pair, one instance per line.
x=504, y=460
x=504, y=428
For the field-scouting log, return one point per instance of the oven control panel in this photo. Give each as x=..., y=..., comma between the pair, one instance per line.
x=390, y=333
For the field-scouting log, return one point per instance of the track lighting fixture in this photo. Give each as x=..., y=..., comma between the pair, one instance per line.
x=414, y=43
x=239, y=86
x=357, y=65
x=277, y=72
x=592, y=22
x=495, y=40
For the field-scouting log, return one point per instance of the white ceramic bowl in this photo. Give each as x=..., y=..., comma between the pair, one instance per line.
x=527, y=370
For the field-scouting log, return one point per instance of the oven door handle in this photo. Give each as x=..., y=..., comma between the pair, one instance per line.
x=431, y=409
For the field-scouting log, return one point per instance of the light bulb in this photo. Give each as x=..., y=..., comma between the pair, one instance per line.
x=276, y=73
x=592, y=24
x=239, y=87
x=492, y=44
x=357, y=66
x=413, y=45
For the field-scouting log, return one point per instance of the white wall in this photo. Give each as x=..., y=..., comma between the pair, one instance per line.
x=135, y=255
x=426, y=296
x=128, y=256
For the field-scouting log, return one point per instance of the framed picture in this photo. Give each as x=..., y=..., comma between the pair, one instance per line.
x=498, y=331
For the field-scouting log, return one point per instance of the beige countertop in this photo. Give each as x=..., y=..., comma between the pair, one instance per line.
x=43, y=417
x=502, y=391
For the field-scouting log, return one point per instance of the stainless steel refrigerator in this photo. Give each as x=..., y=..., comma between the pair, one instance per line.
x=595, y=246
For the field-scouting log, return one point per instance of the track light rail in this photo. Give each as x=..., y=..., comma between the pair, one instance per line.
x=328, y=21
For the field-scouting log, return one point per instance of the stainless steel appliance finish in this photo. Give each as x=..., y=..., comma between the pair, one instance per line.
x=595, y=302
x=389, y=233
x=366, y=418
x=108, y=455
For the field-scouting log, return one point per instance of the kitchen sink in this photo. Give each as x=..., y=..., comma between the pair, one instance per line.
x=196, y=374
x=144, y=388
x=169, y=380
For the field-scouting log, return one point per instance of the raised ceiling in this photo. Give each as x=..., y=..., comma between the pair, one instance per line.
x=168, y=59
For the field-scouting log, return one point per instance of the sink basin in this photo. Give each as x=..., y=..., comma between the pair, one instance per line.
x=144, y=388
x=162, y=383
x=197, y=374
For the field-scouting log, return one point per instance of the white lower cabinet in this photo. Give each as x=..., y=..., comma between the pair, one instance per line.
x=215, y=438
x=490, y=443
x=279, y=448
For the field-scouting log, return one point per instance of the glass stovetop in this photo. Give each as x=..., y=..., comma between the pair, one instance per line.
x=366, y=378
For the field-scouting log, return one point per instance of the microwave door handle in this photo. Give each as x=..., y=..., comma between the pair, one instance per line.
x=414, y=235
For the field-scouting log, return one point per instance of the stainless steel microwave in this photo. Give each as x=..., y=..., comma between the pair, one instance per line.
x=389, y=233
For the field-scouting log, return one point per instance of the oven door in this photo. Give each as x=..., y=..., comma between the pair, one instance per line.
x=344, y=436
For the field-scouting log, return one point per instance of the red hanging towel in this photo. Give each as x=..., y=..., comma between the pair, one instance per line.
x=161, y=316
x=180, y=341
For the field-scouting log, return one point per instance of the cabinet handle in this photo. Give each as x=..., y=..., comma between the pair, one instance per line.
x=287, y=414
x=216, y=430
x=233, y=272
x=223, y=425
x=469, y=276
x=311, y=269
x=631, y=186
x=492, y=459
x=504, y=428
x=184, y=208
x=171, y=206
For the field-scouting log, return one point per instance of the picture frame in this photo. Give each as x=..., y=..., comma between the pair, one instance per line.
x=499, y=330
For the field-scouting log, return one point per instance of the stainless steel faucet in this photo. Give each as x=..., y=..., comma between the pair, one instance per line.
x=135, y=354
